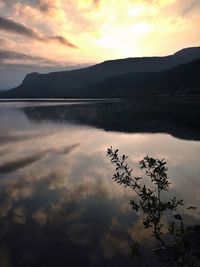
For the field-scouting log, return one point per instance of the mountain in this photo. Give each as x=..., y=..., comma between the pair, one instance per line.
x=174, y=74
x=182, y=80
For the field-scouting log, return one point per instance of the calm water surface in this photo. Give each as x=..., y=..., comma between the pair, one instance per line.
x=58, y=203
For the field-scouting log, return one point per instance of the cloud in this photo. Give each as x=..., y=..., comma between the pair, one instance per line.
x=13, y=138
x=191, y=6
x=4, y=152
x=96, y=2
x=68, y=149
x=40, y=216
x=19, y=215
x=19, y=163
x=7, y=2
x=3, y=42
x=45, y=6
x=2, y=3
x=18, y=28
x=10, y=25
x=102, y=29
x=61, y=40
x=7, y=55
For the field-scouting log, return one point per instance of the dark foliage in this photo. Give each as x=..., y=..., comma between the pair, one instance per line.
x=152, y=208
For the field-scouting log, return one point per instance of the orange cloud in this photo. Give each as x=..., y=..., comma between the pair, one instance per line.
x=106, y=29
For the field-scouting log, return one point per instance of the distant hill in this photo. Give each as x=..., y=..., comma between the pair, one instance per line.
x=176, y=74
x=182, y=80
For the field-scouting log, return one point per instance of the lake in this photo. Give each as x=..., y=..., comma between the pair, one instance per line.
x=58, y=203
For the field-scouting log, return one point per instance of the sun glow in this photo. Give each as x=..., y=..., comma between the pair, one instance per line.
x=102, y=29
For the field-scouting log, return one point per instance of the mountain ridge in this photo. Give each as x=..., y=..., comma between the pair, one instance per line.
x=75, y=83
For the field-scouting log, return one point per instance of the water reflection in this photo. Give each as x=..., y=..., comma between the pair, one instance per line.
x=58, y=205
x=174, y=116
x=16, y=164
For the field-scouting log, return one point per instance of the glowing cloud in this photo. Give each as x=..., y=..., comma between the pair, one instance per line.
x=98, y=29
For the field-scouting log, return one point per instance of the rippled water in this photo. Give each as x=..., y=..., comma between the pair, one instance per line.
x=58, y=203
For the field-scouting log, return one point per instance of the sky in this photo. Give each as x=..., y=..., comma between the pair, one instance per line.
x=53, y=35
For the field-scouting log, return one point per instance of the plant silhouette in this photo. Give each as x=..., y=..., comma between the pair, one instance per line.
x=178, y=250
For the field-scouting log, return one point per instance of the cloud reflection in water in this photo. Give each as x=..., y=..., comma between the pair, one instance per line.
x=57, y=199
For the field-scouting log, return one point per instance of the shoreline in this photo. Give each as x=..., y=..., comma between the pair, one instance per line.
x=95, y=99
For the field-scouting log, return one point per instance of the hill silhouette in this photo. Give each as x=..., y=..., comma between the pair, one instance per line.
x=176, y=74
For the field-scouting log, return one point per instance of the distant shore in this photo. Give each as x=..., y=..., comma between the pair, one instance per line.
x=93, y=99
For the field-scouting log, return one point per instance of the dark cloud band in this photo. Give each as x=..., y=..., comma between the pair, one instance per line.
x=7, y=55
x=191, y=6
x=18, y=28
x=19, y=163
x=10, y=25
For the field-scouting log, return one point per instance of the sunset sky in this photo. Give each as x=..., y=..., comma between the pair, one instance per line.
x=47, y=35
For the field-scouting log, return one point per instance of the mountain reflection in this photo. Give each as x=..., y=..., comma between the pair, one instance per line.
x=178, y=117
